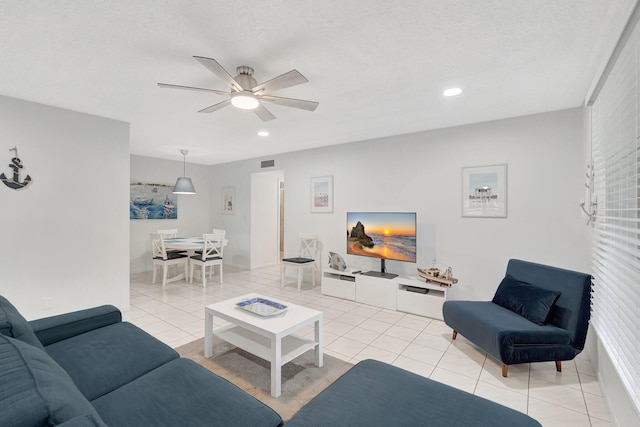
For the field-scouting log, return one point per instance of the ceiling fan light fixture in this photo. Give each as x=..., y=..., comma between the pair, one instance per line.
x=244, y=100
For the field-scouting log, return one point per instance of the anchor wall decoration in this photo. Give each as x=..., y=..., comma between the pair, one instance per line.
x=14, y=182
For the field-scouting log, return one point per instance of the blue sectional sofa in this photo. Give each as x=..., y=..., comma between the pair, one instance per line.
x=90, y=369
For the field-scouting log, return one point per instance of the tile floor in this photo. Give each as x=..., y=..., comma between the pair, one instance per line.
x=354, y=331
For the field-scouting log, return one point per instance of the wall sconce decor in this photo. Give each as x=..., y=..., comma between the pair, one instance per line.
x=14, y=182
x=590, y=206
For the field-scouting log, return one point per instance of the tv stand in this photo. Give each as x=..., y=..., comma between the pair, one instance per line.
x=408, y=294
x=382, y=274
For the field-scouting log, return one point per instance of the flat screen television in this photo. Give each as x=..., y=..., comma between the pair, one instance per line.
x=384, y=235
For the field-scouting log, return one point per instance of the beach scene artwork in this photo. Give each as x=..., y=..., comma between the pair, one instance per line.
x=152, y=201
x=484, y=192
x=382, y=235
x=322, y=194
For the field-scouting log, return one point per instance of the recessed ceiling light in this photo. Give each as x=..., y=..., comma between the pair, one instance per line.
x=452, y=91
x=263, y=133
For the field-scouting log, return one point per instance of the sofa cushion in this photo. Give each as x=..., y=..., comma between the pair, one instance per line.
x=63, y=326
x=12, y=324
x=183, y=393
x=529, y=301
x=122, y=351
x=374, y=393
x=35, y=390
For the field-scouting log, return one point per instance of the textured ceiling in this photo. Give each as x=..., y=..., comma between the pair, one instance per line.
x=377, y=68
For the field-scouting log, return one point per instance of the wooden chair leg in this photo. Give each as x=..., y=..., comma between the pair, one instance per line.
x=505, y=368
x=558, y=365
x=455, y=334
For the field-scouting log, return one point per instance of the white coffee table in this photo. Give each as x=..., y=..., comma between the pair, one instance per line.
x=269, y=338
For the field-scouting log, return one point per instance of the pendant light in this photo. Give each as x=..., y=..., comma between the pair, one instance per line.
x=184, y=184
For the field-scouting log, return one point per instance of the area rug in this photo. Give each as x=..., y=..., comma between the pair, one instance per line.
x=301, y=379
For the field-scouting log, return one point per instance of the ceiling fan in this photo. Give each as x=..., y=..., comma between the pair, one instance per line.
x=246, y=93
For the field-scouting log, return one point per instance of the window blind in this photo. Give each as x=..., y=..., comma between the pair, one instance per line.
x=616, y=244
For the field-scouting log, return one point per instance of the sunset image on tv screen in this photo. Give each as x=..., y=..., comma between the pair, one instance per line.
x=382, y=235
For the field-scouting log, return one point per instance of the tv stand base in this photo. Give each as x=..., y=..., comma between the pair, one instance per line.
x=380, y=274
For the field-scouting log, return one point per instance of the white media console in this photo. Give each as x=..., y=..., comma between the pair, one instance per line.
x=385, y=293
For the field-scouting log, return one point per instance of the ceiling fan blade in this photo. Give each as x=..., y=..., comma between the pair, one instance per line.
x=170, y=86
x=217, y=69
x=264, y=114
x=290, y=102
x=215, y=107
x=285, y=80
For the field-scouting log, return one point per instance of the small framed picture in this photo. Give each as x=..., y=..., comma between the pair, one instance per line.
x=322, y=194
x=484, y=191
x=228, y=200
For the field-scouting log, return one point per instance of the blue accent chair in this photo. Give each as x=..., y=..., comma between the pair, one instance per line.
x=539, y=313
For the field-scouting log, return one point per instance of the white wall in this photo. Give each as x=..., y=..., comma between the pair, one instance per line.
x=64, y=241
x=193, y=209
x=421, y=172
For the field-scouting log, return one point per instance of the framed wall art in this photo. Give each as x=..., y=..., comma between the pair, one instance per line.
x=228, y=200
x=322, y=194
x=484, y=191
x=152, y=201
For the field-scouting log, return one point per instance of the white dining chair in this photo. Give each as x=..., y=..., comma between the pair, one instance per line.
x=306, y=259
x=210, y=256
x=169, y=233
x=164, y=259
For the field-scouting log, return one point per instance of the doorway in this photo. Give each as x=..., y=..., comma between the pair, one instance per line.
x=281, y=215
x=266, y=218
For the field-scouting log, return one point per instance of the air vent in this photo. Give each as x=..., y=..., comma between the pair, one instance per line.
x=267, y=163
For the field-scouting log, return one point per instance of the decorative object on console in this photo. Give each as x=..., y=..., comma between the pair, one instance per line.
x=322, y=194
x=432, y=274
x=441, y=280
x=484, y=191
x=337, y=262
x=14, y=182
x=184, y=184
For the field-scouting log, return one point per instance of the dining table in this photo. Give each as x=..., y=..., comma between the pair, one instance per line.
x=189, y=244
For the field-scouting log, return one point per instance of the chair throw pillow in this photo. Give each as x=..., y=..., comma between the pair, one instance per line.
x=529, y=301
x=13, y=325
x=298, y=260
